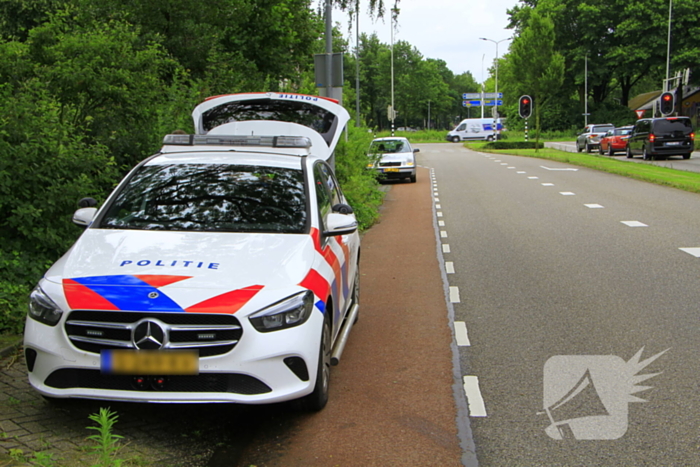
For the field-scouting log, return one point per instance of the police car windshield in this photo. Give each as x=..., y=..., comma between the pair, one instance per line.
x=210, y=198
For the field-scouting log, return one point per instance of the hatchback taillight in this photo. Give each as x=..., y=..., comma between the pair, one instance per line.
x=652, y=137
x=692, y=137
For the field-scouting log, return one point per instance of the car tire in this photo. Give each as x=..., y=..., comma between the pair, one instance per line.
x=686, y=156
x=610, y=150
x=578, y=148
x=628, y=153
x=318, y=399
x=588, y=148
x=455, y=139
x=600, y=149
x=646, y=156
x=412, y=178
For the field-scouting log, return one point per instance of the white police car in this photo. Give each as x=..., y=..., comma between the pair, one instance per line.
x=222, y=269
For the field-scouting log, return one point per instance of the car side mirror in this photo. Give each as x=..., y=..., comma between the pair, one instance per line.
x=83, y=217
x=342, y=208
x=416, y=150
x=340, y=224
x=87, y=203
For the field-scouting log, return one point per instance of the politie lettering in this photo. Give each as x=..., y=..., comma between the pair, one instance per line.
x=176, y=263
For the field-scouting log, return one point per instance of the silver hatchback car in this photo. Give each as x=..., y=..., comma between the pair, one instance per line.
x=393, y=158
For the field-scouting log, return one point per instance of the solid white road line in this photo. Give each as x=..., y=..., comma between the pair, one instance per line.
x=461, y=336
x=477, y=408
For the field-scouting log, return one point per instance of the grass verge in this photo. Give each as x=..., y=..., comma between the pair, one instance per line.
x=683, y=180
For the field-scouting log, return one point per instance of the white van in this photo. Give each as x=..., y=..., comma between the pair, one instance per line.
x=475, y=129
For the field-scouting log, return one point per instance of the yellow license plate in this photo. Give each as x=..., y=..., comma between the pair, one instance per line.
x=391, y=170
x=149, y=362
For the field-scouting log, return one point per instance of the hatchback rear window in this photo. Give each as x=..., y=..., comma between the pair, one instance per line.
x=601, y=129
x=680, y=126
x=318, y=119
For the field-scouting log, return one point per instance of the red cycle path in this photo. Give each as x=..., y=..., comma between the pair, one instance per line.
x=391, y=401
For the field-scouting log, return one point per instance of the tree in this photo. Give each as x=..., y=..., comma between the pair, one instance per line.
x=535, y=68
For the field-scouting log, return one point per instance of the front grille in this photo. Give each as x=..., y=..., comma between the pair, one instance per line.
x=390, y=164
x=209, y=334
x=67, y=378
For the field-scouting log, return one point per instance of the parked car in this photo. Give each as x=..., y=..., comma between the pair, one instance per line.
x=614, y=140
x=659, y=138
x=393, y=158
x=589, y=138
x=224, y=268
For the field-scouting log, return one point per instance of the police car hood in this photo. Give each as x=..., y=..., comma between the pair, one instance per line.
x=181, y=271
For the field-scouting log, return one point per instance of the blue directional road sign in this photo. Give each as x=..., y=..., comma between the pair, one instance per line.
x=487, y=103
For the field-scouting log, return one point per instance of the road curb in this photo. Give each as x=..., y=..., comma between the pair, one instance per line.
x=9, y=349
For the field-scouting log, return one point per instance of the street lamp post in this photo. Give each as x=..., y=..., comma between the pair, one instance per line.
x=495, y=106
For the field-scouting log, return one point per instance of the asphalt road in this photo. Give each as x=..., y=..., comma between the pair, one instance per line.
x=559, y=270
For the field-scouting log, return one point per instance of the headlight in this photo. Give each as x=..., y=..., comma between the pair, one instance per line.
x=409, y=163
x=42, y=308
x=287, y=313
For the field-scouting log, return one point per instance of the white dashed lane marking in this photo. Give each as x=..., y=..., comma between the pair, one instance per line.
x=593, y=206
x=477, y=408
x=634, y=224
x=566, y=193
x=450, y=267
x=695, y=251
x=454, y=294
x=446, y=248
x=461, y=335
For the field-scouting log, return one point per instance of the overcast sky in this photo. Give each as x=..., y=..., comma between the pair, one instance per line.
x=445, y=29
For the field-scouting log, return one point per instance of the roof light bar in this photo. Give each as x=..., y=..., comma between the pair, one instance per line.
x=238, y=140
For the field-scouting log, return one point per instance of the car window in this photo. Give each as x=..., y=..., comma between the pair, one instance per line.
x=622, y=131
x=600, y=129
x=673, y=125
x=389, y=146
x=210, y=198
x=323, y=194
x=318, y=119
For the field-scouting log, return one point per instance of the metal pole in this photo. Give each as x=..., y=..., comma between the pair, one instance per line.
x=495, y=101
x=482, y=85
x=585, y=93
x=329, y=48
x=393, y=109
x=357, y=64
x=668, y=46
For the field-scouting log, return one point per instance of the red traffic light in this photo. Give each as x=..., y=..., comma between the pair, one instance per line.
x=667, y=104
x=525, y=107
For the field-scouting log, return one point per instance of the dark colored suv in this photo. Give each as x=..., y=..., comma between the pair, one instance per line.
x=658, y=138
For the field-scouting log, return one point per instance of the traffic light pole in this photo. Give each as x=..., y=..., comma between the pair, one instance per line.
x=526, y=130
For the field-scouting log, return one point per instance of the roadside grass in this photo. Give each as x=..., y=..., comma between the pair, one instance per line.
x=683, y=180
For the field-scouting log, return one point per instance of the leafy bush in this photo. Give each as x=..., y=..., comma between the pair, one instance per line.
x=359, y=184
